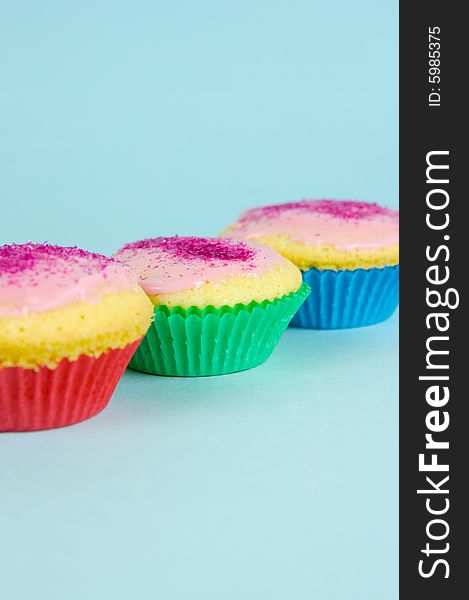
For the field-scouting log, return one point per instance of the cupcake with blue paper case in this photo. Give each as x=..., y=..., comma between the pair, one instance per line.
x=348, y=253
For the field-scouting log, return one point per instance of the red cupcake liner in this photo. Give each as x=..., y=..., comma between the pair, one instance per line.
x=76, y=390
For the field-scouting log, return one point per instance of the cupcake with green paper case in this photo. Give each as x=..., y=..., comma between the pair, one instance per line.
x=220, y=306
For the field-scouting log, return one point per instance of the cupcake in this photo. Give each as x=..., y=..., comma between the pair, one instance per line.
x=69, y=322
x=219, y=305
x=348, y=253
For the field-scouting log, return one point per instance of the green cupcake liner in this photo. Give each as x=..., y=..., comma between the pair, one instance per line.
x=214, y=341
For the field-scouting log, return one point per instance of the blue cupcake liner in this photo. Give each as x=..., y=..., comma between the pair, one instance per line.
x=343, y=299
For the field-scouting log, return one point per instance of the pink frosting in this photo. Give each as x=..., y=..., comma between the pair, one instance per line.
x=343, y=224
x=38, y=277
x=177, y=264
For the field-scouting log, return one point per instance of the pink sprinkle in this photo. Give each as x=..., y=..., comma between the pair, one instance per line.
x=18, y=260
x=341, y=209
x=196, y=248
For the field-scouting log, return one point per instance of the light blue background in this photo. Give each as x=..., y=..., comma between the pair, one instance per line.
x=120, y=120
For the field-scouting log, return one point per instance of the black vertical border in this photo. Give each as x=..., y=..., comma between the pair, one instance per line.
x=423, y=129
